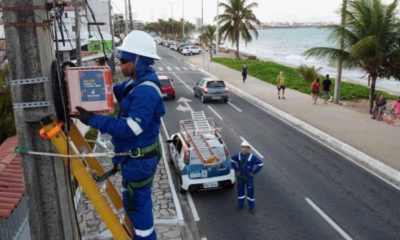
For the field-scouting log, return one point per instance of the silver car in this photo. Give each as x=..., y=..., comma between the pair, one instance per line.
x=209, y=89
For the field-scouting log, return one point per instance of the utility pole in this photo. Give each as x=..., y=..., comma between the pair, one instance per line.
x=112, y=62
x=340, y=63
x=126, y=18
x=29, y=50
x=217, y=31
x=87, y=19
x=76, y=4
x=130, y=16
x=183, y=19
x=202, y=29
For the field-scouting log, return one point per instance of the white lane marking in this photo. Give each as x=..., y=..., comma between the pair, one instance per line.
x=249, y=99
x=194, y=69
x=215, y=112
x=192, y=207
x=186, y=102
x=169, y=68
x=185, y=68
x=161, y=68
x=173, y=191
x=192, y=65
x=235, y=107
x=187, y=86
x=177, y=68
x=328, y=219
x=253, y=148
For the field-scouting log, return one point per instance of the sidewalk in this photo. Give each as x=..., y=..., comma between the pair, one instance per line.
x=167, y=223
x=376, y=139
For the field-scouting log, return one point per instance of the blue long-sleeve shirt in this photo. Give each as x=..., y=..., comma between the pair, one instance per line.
x=139, y=119
x=246, y=164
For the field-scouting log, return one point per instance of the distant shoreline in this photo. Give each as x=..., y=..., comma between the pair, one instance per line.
x=245, y=55
x=290, y=27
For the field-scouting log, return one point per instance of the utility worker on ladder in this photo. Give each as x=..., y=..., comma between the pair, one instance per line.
x=246, y=165
x=136, y=128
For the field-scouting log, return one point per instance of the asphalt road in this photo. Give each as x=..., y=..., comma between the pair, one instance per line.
x=304, y=191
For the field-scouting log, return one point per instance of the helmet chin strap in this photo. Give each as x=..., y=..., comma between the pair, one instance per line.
x=136, y=61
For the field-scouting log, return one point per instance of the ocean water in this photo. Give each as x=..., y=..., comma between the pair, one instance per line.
x=288, y=45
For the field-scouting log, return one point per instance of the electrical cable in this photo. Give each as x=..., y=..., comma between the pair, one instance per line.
x=98, y=29
x=67, y=123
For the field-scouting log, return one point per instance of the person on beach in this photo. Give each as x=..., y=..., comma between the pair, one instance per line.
x=315, y=86
x=244, y=72
x=280, y=85
x=326, y=85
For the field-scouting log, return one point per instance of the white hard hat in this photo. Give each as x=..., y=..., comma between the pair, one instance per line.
x=140, y=43
x=245, y=144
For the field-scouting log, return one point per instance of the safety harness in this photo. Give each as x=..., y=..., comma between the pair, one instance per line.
x=242, y=165
x=141, y=153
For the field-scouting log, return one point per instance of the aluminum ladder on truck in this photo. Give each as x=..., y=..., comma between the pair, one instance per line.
x=195, y=130
x=107, y=203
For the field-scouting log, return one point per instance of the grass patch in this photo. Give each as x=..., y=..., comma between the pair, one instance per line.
x=268, y=71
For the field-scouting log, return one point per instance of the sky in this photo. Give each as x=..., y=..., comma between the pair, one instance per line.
x=267, y=10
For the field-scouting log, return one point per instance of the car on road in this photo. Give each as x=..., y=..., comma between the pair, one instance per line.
x=211, y=89
x=174, y=47
x=167, y=88
x=196, y=169
x=190, y=50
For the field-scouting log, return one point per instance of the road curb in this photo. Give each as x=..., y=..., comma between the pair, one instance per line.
x=369, y=163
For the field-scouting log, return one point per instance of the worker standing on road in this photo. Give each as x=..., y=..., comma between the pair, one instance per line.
x=246, y=165
x=136, y=128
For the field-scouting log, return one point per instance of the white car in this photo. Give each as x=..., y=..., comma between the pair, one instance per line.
x=190, y=50
x=195, y=172
x=195, y=50
x=174, y=47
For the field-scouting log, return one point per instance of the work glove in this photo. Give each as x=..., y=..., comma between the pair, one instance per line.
x=84, y=115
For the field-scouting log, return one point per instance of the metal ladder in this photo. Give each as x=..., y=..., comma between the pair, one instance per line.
x=105, y=198
x=195, y=130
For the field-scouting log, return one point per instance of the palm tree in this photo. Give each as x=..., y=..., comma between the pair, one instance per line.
x=371, y=41
x=208, y=35
x=237, y=21
x=309, y=74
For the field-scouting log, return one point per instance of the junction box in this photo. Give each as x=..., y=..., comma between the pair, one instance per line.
x=90, y=88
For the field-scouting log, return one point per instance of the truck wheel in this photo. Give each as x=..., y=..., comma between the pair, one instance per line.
x=181, y=190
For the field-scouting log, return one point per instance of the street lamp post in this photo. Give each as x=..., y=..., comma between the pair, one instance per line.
x=217, y=31
x=202, y=28
x=183, y=19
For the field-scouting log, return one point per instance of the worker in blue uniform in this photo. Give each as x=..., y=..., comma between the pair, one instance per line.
x=246, y=165
x=136, y=129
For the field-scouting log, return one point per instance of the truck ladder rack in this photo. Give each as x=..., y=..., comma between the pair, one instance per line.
x=194, y=129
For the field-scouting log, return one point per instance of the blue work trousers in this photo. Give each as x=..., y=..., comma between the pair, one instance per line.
x=245, y=183
x=140, y=212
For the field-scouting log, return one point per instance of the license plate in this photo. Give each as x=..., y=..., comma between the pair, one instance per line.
x=215, y=98
x=210, y=185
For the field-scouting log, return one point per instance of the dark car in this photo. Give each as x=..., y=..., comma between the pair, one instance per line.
x=209, y=89
x=167, y=89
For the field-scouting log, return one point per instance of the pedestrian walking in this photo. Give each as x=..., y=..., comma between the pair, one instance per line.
x=280, y=84
x=326, y=86
x=246, y=166
x=315, y=86
x=244, y=72
x=136, y=129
